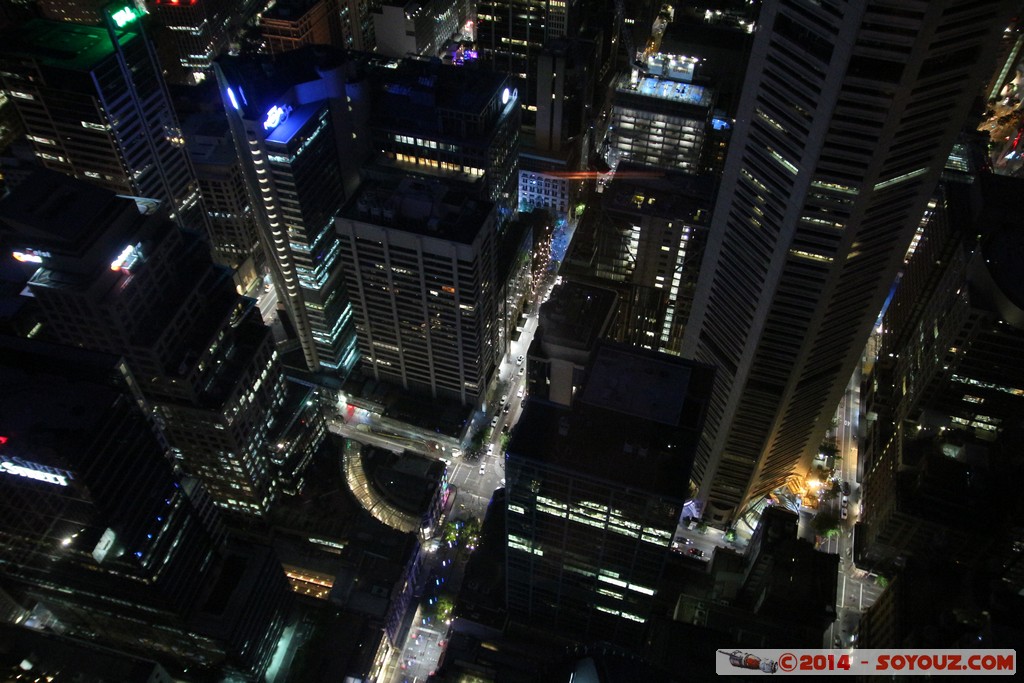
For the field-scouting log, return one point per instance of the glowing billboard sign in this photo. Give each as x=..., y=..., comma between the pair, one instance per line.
x=125, y=16
x=276, y=116
x=505, y=95
x=31, y=470
x=27, y=256
x=124, y=260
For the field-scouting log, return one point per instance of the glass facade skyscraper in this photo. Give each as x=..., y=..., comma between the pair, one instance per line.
x=847, y=115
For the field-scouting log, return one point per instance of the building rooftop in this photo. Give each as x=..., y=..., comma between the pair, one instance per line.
x=51, y=212
x=259, y=82
x=49, y=385
x=418, y=83
x=1002, y=244
x=576, y=315
x=644, y=387
x=610, y=433
x=636, y=190
x=60, y=44
x=298, y=117
x=208, y=140
x=54, y=657
x=418, y=205
x=665, y=89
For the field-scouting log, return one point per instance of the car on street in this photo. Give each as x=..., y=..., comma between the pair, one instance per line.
x=490, y=449
x=494, y=421
x=520, y=359
x=522, y=371
x=695, y=552
x=846, y=488
x=504, y=399
x=482, y=468
x=508, y=407
x=519, y=394
x=844, y=509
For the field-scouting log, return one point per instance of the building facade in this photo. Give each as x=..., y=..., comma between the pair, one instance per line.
x=847, y=114
x=404, y=28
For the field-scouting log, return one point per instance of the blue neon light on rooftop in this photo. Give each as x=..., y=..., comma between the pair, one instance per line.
x=231, y=96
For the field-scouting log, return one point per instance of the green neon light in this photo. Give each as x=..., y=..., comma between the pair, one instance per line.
x=124, y=16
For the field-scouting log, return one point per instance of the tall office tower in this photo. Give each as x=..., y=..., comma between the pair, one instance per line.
x=99, y=540
x=298, y=124
x=117, y=278
x=423, y=28
x=512, y=33
x=292, y=24
x=234, y=238
x=660, y=117
x=450, y=122
x=429, y=318
x=647, y=246
x=197, y=32
x=595, y=491
x=95, y=107
x=848, y=112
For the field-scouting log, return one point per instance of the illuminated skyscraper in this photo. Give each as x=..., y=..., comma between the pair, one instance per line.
x=297, y=122
x=95, y=107
x=117, y=277
x=847, y=115
x=429, y=321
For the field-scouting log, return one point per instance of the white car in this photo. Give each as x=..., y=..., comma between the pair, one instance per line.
x=490, y=449
x=519, y=361
x=521, y=392
x=482, y=468
x=504, y=399
x=494, y=421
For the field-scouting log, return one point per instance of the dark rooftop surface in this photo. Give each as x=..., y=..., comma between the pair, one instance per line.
x=646, y=388
x=576, y=314
x=419, y=206
x=638, y=190
x=297, y=118
x=617, y=431
x=419, y=85
x=51, y=211
x=64, y=658
x=46, y=385
x=263, y=80
x=1003, y=239
x=60, y=44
